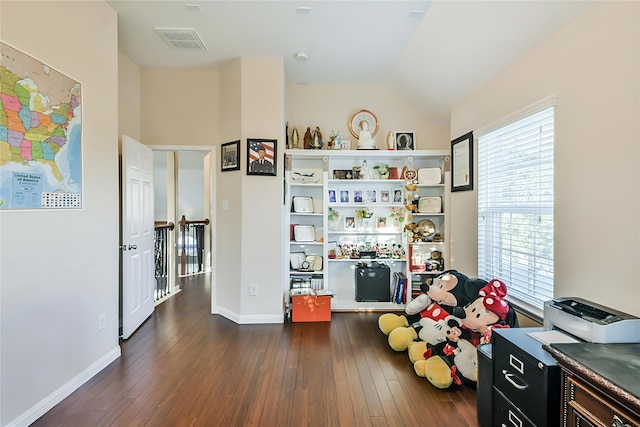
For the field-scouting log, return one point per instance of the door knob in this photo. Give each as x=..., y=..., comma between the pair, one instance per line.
x=133, y=247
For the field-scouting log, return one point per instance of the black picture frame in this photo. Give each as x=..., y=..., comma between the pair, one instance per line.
x=405, y=140
x=230, y=156
x=462, y=163
x=269, y=166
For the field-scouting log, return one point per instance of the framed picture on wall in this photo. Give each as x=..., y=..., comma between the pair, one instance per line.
x=462, y=163
x=261, y=157
x=230, y=155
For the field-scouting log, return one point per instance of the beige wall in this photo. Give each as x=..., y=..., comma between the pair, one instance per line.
x=59, y=269
x=180, y=107
x=226, y=299
x=331, y=106
x=261, y=232
x=592, y=65
x=129, y=98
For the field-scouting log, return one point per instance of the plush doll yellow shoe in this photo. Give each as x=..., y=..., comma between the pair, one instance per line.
x=416, y=350
x=443, y=371
x=400, y=338
x=436, y=370
x=390, y=321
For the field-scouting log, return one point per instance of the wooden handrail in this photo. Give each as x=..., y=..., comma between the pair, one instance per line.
x=184, y=222
x=163, y=224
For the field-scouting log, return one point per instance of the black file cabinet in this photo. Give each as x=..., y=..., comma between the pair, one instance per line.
x=484, y=385
x=526, y=380
x=373, y=284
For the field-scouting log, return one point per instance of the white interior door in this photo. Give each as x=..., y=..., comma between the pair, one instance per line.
x=137, y=235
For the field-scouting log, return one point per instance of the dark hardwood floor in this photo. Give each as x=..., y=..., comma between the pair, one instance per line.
x=187, y=367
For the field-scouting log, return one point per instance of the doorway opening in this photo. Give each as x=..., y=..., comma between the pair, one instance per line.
x=183, y=195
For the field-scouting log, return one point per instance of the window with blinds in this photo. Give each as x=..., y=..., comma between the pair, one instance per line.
x=515, y=206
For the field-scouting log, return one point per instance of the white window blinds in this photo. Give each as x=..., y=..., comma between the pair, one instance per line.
x=515, y=207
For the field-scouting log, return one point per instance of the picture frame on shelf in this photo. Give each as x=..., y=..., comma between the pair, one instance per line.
x=230, y=156
x=381, y=222
x=349, y=223
x=371, y=196
x=261, y=157
x=384, y=196
x=431, y=204
x=357, y=196
x=344, y=196
x=332, y=195
x=462, y=163
x=405, y=140
x=397, y=195
x=342, y=174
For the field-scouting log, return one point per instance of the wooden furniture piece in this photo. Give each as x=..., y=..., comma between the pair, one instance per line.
x=526, y=380
x=600, y=384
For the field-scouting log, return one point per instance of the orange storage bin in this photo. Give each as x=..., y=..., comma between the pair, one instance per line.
x=311, y=308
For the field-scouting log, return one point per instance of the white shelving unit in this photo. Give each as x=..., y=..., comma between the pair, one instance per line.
x=322, y=175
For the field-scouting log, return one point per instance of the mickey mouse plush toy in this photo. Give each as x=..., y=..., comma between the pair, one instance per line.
x=453, y=360
x=490, y=310
x=437, y=302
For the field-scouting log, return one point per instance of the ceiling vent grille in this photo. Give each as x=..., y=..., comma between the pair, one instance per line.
x=181, y=38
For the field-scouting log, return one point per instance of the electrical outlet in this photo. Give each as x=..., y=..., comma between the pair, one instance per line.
x=253, y=289
x=102, y=321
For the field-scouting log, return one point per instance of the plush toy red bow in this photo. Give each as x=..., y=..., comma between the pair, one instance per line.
x=494, y=293
x=486, y=338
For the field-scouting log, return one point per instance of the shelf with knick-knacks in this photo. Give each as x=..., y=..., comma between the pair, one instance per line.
x=368, y=213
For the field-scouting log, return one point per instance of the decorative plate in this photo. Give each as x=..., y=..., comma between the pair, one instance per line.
x=426, y=228
x=410, y=174
x=366, y=115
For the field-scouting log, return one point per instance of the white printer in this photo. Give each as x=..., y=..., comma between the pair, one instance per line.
x=591, y=322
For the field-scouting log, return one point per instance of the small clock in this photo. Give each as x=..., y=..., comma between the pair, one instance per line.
x=304, y=265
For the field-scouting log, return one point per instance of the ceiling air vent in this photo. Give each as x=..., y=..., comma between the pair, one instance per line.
x=181, y=38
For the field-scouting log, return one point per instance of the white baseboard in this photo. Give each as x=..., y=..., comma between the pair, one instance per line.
x=249, y=319
x=267, y=318
x=63, y=392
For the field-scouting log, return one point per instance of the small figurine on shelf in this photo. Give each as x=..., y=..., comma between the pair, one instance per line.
x=332, y=140
x=364, y=171
x=391, y=142
x=307, y=138
x=295, y=138
x=316, y=141
x=365, y=141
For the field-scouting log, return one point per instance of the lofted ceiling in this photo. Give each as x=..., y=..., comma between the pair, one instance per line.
x=434, y=52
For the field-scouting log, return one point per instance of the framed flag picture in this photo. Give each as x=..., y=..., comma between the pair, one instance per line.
x=261, y=157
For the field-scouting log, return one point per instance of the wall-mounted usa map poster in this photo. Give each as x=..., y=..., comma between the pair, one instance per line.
x=40, y=135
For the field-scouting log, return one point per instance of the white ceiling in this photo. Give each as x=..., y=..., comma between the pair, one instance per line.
x=436, y=52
